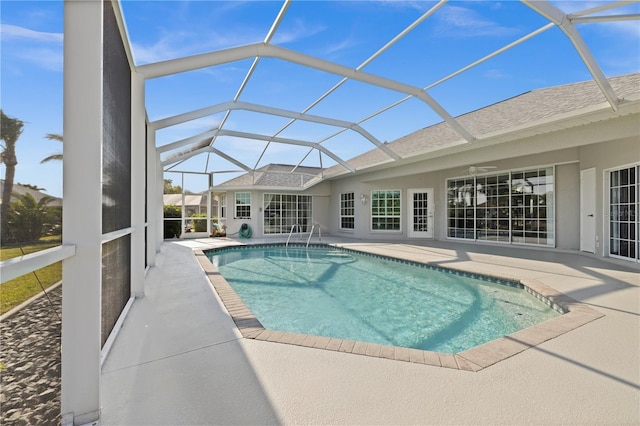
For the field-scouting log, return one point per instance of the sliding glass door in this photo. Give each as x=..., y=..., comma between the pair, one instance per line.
x=623, y=212
x=510, y=207
x=282, y=211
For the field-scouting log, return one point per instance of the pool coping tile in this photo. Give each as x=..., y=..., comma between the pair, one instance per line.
x=573, y=315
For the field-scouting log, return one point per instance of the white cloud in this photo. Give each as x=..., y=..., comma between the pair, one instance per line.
x=48, y=59
x=629, y=29
x=9, y=32
x=42, y=49
x=496, y=74
x=178, y=44
x=422, y=6
x=455, y=21
x=297, y=31
x=339, y=46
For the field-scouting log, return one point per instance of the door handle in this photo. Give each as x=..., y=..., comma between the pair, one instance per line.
x=590, y=215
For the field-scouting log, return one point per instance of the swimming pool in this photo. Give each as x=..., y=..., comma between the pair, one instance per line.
x=331, y=292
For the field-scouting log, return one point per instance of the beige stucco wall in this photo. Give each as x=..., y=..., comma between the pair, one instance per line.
x=569, y=151
x=568, y=163
x=320, y=208
x=567, y=206
x=602, y=157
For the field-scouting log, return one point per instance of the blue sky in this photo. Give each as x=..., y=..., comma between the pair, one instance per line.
x=346, y=33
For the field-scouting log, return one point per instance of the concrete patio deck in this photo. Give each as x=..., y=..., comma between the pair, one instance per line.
x=179, y=359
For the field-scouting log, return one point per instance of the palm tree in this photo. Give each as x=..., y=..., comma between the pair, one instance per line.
x=53, y=137
x=10, y=131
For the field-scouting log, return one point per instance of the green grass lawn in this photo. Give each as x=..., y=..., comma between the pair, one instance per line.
x=16, y=291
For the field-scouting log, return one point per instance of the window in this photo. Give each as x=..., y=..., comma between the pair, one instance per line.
x=282, y=211
x=623, y=212
x=492, y=207
x=385, y=210
x=532, y=206
x=460, y=201
x=514, y=207
x=243, y=205
x=223, y=206
x=347, y=210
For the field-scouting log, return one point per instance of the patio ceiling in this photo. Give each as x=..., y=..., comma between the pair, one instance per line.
x=305, y=111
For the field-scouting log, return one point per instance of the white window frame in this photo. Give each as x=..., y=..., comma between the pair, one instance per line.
x=285, y=219
x=239, y=205
x=345, y=207
x=385, y=216
x=550, y=209
x=223, y=206
x=606, y=222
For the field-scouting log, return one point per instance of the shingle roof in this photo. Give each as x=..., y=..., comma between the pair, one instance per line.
x=276, y=175
x=189, y=199
x=530, y=107
x=526, y=109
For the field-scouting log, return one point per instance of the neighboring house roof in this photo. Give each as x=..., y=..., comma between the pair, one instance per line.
x=37, y=195
x=189, y=200
x=275, y=176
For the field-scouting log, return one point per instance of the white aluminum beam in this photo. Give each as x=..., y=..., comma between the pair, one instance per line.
x=138, y=185
x=154, y=194
x=298, y=142
x=317, y=119
x=182, y=156
x=608, y=18
x=194, y=140
x=231, y=160
x=556, y=16
x=319, y=64
x=19, y=266
x=190, y=115
x=491, y=55
x=190, y=63
x=82, y=211
x=225, y=106
x=370, y=59
x=601, y=8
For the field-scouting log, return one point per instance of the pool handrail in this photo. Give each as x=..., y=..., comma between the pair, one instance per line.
x=311, y=233
x=291, y=232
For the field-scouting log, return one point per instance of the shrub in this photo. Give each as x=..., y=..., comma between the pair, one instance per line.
x=199, y=225
x=172, y=228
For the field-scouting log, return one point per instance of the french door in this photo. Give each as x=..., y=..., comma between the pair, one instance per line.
x=624, y=221
x=420, y=213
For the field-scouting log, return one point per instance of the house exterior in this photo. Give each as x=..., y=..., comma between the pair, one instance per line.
x=555, y=168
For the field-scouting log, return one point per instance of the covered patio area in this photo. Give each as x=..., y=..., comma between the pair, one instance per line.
x=179, y=359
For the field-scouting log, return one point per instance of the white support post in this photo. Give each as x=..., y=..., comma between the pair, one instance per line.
x=152, y=199
x=183, y=222
x=209, y=203
x=159, y=202
x=82, y=211
x=138, y=142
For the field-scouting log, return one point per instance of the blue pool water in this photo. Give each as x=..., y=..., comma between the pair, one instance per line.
x=330, y=292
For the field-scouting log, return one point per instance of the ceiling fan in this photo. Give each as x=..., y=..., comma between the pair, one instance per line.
x=474, y=170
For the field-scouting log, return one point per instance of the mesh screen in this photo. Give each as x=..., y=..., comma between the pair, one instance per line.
x=116, y=278
x=116, y=150
x=116, y=163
